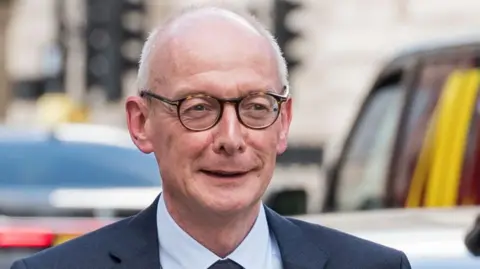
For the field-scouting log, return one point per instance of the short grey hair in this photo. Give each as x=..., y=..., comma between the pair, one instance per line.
x=148, y=47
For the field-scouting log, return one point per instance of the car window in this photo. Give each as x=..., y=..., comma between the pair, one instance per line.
x=60, y=164
x=361, y=178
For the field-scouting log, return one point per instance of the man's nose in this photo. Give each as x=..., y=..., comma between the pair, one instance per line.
x=229, y=138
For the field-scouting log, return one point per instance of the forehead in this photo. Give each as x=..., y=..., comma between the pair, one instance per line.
x=214, y=53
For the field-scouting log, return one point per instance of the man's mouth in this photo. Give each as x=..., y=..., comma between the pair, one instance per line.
x=224, y=174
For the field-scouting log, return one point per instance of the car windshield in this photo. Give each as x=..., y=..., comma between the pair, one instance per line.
x=55, y=164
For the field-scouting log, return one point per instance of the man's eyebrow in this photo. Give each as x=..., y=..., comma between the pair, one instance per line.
x=185, y=93
x=182, y=93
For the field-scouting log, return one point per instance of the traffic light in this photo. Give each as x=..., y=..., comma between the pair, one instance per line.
x=132, y=34
x=56, y=54
x=102, y=37
x=283, y=31
x=115, y=35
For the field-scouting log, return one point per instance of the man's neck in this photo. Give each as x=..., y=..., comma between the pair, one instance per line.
x=219, y=233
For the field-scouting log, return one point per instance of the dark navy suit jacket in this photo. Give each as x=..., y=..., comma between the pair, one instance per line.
x=133, y=243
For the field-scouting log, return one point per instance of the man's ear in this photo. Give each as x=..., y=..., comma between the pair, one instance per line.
x=138, y=123
x=285, y=120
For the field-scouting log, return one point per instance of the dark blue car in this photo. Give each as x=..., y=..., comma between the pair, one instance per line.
x=56, y=184
x=48, y=173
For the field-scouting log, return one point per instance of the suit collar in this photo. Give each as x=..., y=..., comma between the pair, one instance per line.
x=137, y=244
x=296, y=248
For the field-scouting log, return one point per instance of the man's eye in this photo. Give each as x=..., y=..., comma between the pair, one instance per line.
x=256, y=106
x=196, y=108
x=260, y=107
x=199, y=108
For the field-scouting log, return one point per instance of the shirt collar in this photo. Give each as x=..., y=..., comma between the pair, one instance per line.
x=188, y=253
x=255, y=249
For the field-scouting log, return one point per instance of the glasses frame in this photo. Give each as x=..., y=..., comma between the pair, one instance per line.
x=280, y=98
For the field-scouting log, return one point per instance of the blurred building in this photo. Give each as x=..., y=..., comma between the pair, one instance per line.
x=5, y=12
x=341, y=46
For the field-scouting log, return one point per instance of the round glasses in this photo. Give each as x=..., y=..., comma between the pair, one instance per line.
x=200, y=112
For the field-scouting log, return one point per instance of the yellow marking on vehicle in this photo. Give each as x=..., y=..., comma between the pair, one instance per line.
x=455, y=110
x=440, y=161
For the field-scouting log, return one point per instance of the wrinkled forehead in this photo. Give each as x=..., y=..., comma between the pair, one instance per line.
x=216, y=49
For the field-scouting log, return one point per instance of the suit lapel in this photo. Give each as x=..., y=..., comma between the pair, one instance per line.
x=137, y=244
x=296, y=248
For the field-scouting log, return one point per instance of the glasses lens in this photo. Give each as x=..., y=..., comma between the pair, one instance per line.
x=258, y=111
x=198, y=113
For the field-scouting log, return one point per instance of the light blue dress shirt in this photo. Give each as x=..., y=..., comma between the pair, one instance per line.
x=178, y=250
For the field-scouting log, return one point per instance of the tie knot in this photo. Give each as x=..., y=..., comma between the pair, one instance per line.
x=225, y=264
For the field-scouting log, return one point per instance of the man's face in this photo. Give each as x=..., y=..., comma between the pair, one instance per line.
x=228, y=167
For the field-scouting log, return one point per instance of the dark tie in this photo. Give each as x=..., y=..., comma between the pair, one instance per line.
x=225, y=264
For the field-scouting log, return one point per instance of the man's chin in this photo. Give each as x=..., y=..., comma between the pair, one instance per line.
x=228, y=197
x=229, y=205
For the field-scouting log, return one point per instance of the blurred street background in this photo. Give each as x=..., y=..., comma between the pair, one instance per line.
x=373, y=128
x=338, y=47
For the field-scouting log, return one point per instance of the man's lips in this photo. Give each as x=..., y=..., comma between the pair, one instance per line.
x=224, y=173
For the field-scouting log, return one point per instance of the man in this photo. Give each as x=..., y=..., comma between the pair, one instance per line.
x=215, y=110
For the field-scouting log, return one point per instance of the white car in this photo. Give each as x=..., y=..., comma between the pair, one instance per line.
x=431, y=238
